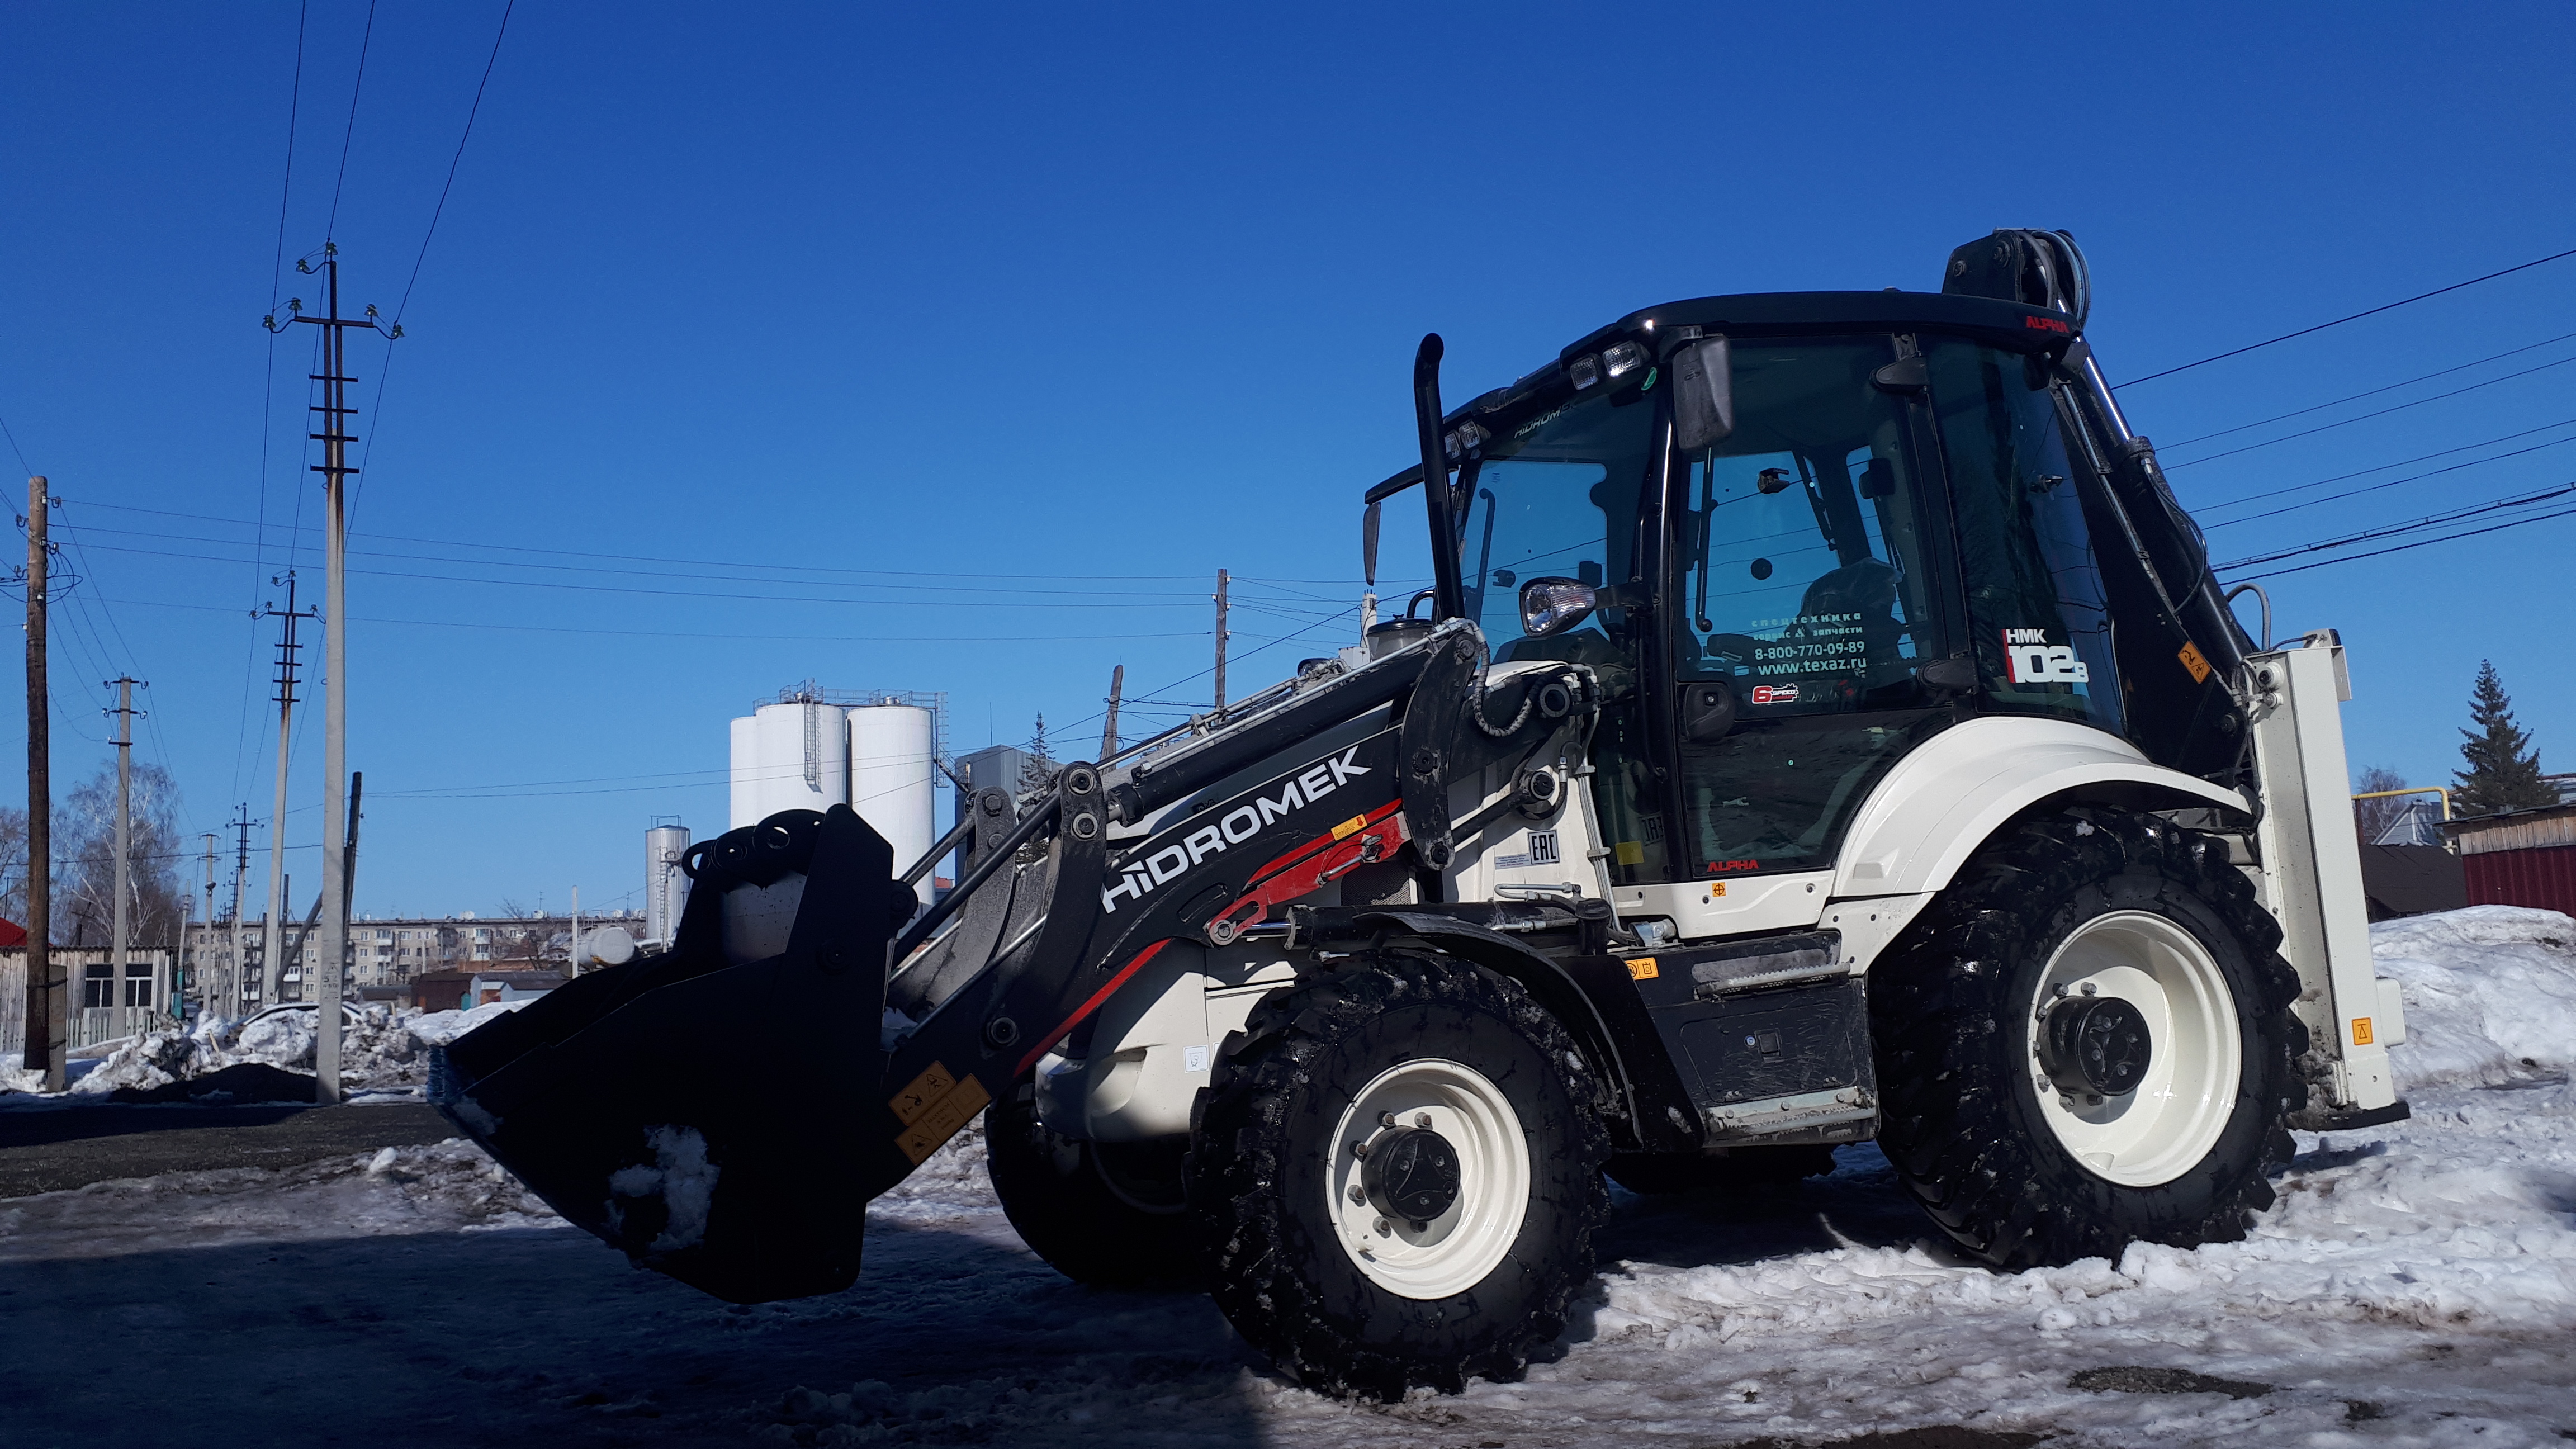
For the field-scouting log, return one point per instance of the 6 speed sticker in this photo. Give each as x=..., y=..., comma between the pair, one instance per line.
x=1775, y=694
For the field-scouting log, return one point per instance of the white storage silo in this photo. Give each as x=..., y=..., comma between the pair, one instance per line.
x=894, y=779
x=666, y=889
x=793, y=755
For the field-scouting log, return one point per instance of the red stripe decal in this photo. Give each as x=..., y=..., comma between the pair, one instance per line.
x=1323, y=841
x=1047, y=1042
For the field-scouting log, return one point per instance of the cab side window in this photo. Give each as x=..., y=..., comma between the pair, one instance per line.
x=2037, y=622
x=1806, y=606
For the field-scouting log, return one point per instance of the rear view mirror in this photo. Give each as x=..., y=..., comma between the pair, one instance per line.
x=1368, y=544
x=1703, y=394
x=1554, y=605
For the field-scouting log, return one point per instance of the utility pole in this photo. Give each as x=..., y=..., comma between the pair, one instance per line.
x=349, y=853
x=124, y=743
x=335, y=439
x=241, y=940
x=48, y=1035
x=272, y=957
x=1109, y=731
x=574, y=963
x=1220, y=641
x=205, y=995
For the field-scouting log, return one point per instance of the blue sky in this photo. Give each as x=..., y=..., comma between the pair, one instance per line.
x=973, y=342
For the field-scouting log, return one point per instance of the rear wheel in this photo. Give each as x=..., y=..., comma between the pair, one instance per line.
x=2087, y=1041
x=1398, y=1171
x=1109, y=1215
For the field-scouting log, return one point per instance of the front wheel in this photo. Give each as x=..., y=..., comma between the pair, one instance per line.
x=1398, y=1169
x=2087, y=1041
x=1107, y=1215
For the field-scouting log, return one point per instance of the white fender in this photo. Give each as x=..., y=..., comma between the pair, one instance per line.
x=1950, y=794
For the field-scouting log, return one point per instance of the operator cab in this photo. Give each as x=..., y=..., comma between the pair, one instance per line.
x=1852, y=521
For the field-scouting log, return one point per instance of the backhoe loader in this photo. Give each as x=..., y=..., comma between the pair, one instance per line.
x=1823, y=726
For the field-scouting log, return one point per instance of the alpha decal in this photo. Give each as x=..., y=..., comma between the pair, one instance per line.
x=2030, y=659
x=1144, y=874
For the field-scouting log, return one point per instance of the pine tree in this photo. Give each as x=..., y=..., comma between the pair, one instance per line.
x=2504, y=764
x=1037, y=771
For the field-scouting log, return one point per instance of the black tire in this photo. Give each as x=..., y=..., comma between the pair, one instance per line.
x=1951, y=1009
x=1137, y=1234
x=1263, y=1161
x=1741, y=1169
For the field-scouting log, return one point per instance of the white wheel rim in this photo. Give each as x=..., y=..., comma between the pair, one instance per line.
x=1453, y=1252
x=2163, y=1129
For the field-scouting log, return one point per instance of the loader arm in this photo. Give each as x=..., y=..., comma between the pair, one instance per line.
x=749, y=1179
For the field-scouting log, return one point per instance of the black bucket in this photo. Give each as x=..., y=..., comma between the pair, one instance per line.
x=700, y=1109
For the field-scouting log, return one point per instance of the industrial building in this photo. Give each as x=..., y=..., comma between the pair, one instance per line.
x=878, y=752
x=389, y=952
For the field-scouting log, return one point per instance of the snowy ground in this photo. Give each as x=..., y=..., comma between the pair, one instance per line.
x=2416, y=1286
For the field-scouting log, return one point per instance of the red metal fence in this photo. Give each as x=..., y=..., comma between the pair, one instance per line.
x=2543, y=877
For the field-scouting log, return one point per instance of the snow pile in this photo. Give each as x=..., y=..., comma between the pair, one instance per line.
x=152, y=1060
x=382, y=1049
x=951, y=1183
x=450, y=1186
x=2414, y=1229
x=2490, y=995
x=2460, y=1221
x=438, y=1028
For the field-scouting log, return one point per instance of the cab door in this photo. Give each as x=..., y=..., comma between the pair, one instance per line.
x=1810, y=623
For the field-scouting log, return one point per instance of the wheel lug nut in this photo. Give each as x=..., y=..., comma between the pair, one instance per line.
x=1359, y=1149
x=1383, y=1228
x=1358, y=1194
x=2090, y=989
x=1386, y=1119
x=1422, y=1119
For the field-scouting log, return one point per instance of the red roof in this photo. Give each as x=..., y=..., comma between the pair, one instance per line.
x=12, y=934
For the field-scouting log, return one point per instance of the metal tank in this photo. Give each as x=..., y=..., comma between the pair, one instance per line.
x=790, y=755
x=894, y=777
x=666, y=889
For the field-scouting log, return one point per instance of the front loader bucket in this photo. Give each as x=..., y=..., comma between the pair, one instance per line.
x=699, y=1109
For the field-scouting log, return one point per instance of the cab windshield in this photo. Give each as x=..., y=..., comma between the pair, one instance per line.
x=1558, y=498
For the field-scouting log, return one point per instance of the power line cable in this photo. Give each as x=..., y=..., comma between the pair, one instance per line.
x=2392, y=530
x=331, y=227
x=300, y=546
x=2365, y=417
x=2373, y=392
x=23, y=465
x=459, y=159
x=2381, y=468
x=268, y=393
x=2391, y=483
x=558, y=552
x=1013, y=638
x=670, y=593
x=2404, y=547
x=2355, y=317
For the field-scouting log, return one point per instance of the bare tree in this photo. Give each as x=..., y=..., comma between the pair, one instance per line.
x=85, y=868
x=13, y=864
x=2374, y=816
